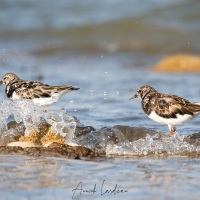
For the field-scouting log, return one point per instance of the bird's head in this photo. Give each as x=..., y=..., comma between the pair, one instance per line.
x=143, y=91
x=9, y=77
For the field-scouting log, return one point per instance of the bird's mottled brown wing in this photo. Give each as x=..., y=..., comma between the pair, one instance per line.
x=168, y=106
x=30, y=90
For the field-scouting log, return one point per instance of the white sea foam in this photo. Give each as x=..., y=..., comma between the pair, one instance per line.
x=113, y=141
x=169, y=145
x=32, y=116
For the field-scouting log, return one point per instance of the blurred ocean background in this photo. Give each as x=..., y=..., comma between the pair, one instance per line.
x=139, y=29
x=107, y=48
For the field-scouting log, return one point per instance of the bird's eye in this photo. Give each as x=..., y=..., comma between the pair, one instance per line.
x=139, y=91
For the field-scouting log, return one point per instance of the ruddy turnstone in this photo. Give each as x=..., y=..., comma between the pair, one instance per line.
x=166, y=109
x=40, y=93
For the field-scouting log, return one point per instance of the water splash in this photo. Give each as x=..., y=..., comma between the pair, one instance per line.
x=168, y=145
x=124, y=140
x=116, y=140
x=31, y=116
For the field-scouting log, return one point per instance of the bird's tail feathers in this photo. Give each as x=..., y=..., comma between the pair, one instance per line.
x=59, y=91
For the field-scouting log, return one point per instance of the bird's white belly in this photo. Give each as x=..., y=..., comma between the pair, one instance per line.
x=40, y=101
x=171, y=121
x=44, y=101
x=15, y=96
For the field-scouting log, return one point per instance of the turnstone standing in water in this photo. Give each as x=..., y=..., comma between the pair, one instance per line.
x=166, y=109
x=40, y=93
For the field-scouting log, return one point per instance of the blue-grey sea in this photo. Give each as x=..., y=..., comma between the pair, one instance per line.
x=107, y=48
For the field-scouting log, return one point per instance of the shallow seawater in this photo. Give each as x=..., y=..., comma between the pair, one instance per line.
x=139, y=167
x=108, y=50
x=142, y=178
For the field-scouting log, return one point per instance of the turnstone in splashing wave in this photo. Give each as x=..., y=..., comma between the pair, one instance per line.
x=166, y=109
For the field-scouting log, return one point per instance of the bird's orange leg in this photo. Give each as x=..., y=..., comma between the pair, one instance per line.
x=172, y=130
x=171, y=133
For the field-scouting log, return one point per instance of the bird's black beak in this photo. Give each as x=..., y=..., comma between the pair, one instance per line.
x=135, y=96
x=1, y=82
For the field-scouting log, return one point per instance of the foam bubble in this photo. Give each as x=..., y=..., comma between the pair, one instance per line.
x=32, y=116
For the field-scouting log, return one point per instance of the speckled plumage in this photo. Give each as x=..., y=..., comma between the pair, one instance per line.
x=40, y=93
x=165, y=108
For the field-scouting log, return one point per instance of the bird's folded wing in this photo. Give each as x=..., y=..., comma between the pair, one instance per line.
x=171, y=105
x=30, y=90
